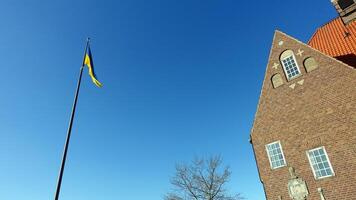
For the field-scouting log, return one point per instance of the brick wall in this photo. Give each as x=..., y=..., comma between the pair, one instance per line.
x=320, y=110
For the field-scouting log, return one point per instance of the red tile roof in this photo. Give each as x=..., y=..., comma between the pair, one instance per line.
x=335, y=39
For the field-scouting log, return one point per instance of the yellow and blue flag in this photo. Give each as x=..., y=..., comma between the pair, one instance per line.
x=88, y=61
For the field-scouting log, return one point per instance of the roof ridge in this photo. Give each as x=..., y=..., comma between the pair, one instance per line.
x=335, y=38
x=304, y=44
x=330, y=21
x=323, y=25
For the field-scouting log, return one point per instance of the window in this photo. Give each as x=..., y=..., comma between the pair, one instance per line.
x=290, y=65
x=345, y=3
x=320, y=163
x=275, y=155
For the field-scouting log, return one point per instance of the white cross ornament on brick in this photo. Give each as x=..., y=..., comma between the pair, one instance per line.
x=300, y=52
x=275, y=65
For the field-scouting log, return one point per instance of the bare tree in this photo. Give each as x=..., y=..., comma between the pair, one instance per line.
x=201, y=180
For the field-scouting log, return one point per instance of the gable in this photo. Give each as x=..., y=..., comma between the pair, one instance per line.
x=284, y=97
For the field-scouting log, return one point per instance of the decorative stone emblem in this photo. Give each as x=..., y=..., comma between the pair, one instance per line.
x=297, y=187
x=280, y=43
x=275, y=65
x=300, y=52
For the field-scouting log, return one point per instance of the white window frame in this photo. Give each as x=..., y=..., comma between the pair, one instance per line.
x=296, y=63
x=269, y=158
x=327, y=159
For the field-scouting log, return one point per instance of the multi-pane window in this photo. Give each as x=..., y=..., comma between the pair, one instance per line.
x=290, y=67
x=320, y=163
x=275, y=155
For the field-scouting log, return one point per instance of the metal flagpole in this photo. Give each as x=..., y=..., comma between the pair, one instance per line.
x=64, y=157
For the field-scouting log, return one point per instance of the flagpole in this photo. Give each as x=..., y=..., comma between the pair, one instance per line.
x=64, y=157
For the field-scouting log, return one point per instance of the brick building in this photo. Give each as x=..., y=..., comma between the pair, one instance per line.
x=304, y=132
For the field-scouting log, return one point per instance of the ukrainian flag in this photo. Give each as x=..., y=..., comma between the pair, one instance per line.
x=88, y=61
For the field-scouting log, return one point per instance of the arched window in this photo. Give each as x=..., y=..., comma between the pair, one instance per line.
x=290, y=65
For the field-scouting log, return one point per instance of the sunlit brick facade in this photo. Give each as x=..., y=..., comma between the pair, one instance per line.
x=305, y=125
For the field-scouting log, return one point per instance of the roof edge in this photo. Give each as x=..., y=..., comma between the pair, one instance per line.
x=320, y=27
x=304, y=44
x=263, y=81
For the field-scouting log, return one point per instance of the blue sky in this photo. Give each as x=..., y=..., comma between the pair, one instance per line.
x=181, y=79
